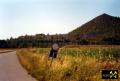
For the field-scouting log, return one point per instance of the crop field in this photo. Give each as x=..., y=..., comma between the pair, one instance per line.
x=83, y=63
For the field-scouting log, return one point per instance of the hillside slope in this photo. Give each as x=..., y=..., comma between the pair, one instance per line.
x=102, y=29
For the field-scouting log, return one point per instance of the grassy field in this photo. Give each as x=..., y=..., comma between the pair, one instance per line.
x=83, y=63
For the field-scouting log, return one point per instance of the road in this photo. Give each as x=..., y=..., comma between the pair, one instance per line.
x=11, y=70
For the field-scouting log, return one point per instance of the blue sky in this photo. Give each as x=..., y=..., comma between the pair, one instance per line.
x=21, y=17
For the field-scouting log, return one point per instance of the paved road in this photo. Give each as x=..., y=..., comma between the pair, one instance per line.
x=11, y=70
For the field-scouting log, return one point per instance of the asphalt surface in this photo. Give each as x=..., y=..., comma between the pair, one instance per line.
x=11, y=70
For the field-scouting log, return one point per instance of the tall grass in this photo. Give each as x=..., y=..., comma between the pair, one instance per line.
x=72, y=64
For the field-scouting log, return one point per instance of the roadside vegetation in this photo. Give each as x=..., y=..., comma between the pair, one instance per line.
x=82, y=63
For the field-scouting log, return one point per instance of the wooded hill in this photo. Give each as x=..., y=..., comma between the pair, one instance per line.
x=103, y=29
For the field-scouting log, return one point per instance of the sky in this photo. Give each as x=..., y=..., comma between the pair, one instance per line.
x=21, y=17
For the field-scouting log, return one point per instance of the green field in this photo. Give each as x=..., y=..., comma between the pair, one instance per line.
x=82, y=63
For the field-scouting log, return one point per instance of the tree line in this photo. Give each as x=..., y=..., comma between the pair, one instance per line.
x=39, y=40
x=42, y=40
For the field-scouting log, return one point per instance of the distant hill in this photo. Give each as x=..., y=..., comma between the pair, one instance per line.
x=103, y=29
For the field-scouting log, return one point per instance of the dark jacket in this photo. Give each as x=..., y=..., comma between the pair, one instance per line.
x=53, y=53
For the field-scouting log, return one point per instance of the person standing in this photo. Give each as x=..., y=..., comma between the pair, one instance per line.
x=54, y=51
